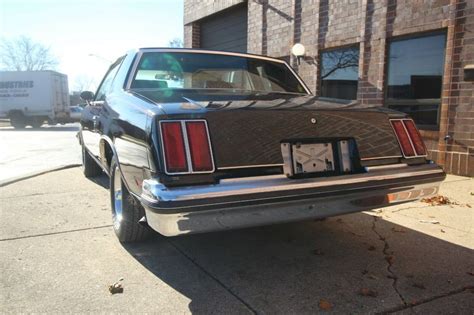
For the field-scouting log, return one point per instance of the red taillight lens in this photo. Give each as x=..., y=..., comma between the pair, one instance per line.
x=199, y=147
x=173, y=143
x=415, y=137
x=403, y=138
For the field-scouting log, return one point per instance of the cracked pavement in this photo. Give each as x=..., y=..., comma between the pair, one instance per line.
x=58, y=254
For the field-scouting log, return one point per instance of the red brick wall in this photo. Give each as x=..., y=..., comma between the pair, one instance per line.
x=458, y=95
x=275, y=25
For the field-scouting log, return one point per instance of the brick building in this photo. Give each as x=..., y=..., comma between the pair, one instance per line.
x=409, y=55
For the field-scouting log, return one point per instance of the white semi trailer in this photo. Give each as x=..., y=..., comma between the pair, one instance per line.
x=31, y=98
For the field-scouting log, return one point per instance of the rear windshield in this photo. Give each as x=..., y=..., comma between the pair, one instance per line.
x=181, y=70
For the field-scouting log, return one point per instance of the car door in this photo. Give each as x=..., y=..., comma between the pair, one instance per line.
x=94, y=115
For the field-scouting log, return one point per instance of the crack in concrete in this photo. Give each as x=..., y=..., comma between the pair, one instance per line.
x=408, y=208
x=55, y=233
x=389, y=260
x=427, y=300
x=219, y=282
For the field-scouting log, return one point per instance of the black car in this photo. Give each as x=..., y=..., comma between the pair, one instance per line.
x=196, y=141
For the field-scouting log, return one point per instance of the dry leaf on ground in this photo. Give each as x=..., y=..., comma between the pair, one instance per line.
x=116, y=287
x=437, y=200
x=325, y=305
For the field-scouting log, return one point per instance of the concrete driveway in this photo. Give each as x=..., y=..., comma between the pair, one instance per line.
x=58, y=253
x=31, y=151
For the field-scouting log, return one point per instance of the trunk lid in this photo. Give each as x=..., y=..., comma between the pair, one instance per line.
x=246, y=130
x=249, y=138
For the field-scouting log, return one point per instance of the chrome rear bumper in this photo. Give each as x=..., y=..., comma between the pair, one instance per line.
x=254, y=201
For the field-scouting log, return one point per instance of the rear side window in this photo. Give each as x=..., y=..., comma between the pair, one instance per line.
x=106, y=84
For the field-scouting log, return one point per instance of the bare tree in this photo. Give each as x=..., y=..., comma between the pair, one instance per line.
x=176, y=43
x=23, y=54
x=339, y=59
x=83, y=83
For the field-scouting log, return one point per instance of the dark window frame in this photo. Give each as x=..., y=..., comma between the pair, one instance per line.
x=386, y=100
x=320, y=63
x=116, y=65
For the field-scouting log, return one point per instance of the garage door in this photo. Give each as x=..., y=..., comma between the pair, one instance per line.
x=226, y=31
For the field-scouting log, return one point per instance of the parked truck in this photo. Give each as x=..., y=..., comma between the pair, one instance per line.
x=31, y=98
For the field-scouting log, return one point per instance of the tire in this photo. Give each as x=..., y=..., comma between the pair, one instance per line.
x=36, y=122
x=126, y=210
x=90, y=168
x=18, y=121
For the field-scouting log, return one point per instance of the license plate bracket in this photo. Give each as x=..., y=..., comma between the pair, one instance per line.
x=319, y=157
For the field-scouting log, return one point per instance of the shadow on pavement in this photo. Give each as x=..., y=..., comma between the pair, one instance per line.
x=102, y=180
x=358, y=263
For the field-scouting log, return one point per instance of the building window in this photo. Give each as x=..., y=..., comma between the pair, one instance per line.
x=339, y=73
x=415, y=75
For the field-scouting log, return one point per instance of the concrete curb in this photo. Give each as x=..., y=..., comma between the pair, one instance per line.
x=31, y=175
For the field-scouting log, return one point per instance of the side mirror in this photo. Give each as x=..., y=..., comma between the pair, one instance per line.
x=87, y=96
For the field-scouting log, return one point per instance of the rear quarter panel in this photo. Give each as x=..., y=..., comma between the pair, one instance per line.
x=129, y=131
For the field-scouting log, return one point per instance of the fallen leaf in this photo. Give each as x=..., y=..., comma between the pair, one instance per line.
x=419, y=286
x=116, y=287
x=429, y=221
x=368, y=292
x=437, y=200
x=372, y=247
x=325, y=305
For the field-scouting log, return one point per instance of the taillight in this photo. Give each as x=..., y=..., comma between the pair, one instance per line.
x=186, y=147
x=415, y=137
x=409, y=138
x=201, y=159
x=174, y=149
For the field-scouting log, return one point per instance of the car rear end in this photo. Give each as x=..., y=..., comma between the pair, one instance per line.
x=230, y=158
x=201, y=190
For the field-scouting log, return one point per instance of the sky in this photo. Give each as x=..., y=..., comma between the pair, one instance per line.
x=74, y=30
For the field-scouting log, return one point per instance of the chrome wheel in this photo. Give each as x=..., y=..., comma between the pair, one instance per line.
x=126, y=210
x=117, y=198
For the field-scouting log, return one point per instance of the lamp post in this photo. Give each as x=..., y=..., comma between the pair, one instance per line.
x=298, y=50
